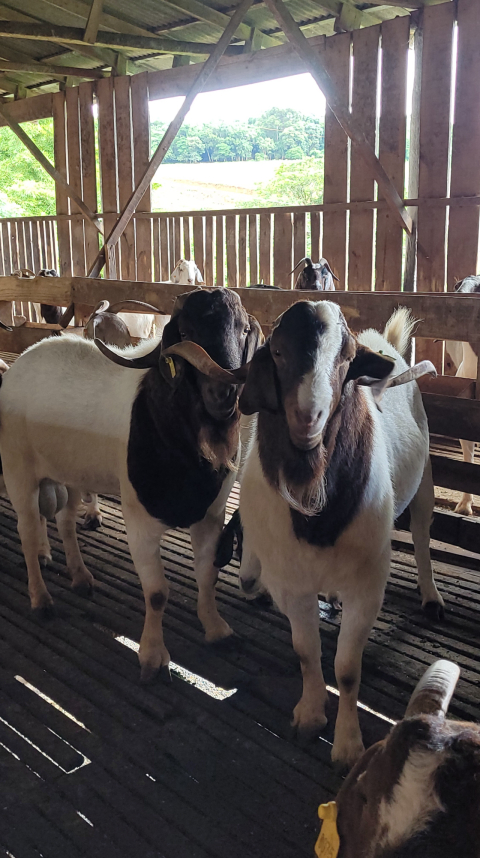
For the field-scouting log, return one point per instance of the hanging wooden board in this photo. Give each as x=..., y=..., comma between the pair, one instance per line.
x=61, y=198
x=88, y=167
x=141, y=151
x=108, y=160
x=123, y=130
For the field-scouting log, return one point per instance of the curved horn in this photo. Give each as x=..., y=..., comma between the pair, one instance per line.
x=141, y=362
x=134, y=306
x=327, y=266
x=425, y=367
x=433, y=693
x=198, y=357
x=305, y=259
x=101, y=307
x=5, y=327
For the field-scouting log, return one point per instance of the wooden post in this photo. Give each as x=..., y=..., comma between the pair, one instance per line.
x=171, y=133
x=340, y=110
x=91, y=30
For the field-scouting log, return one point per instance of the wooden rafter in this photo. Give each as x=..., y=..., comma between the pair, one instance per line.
x=219, y=19
x=91, y=30
x=50, y=169
x=107, y=253
x=340, y=111
x=52, y=70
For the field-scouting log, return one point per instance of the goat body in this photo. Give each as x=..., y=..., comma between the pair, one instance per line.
x=324, y=478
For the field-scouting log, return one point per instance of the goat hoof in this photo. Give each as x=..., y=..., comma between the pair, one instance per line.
x=149, y=674
x=165, y=675
x=44, y=612
x=227, y=644
x=44, y=559
x=263, y=600
x=434, y=611
x=83, y=589
x=92, y=522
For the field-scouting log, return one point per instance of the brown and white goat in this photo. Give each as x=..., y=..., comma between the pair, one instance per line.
x=325, y=477
x=316, y=276
x=416, y=794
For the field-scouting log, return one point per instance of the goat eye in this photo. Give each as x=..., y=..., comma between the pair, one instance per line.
x=277, y=353
x=247, y=329
x=183, y=335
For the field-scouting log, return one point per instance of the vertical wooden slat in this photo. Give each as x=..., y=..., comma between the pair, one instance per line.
x=123, y=128
x=265, y=248
x=7, y=259
x=88, y=167
x=48, y=245
x=198, y=242
x=22, y=258
x=171, y=243
x=108, y=158
x=253, y=248
x=141, y=150
x=14, y=245
x=336, y=54
x=35, y=247
x=315, y=236
x=219, y=250
x=177, y=241
x=156, y=249
x=164, y=249
x=299, y=244
x=389, y=240
x=61, y=198
x=410, y=264
x=3, y=272
x=27, y=226
x=282, y=249
x=242, y=251
x=465, y=181
x=231, y=232
x=433, y=168
x=187, y=242
x=75, y=179
x=208, y=273
x=362, y=185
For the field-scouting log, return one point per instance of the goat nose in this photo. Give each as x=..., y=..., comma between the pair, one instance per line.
x=306, y=419
x=190, y=280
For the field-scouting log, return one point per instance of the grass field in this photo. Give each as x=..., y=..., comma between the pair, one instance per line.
x=226, y=184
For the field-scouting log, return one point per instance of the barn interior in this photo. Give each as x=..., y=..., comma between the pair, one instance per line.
x=92, y=762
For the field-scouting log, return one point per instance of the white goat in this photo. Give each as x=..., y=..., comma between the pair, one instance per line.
x=187, y=273
x=324, y=479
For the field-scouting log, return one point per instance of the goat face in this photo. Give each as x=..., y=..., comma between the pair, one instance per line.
x=303, y=368
x=216, y=321
x=316, y=276
x=186, y=272
x=469, y=285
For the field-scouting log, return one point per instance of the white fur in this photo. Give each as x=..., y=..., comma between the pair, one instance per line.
x=315, y=392
x=356, y=567
x=186, y=272
x=413, y=802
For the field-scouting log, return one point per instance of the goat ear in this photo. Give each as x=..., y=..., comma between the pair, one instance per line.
x=260, y=390
x=255, y=339
x=171, y=369
x=370, y=364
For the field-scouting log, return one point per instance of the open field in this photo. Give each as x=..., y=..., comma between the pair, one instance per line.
x=188, y=187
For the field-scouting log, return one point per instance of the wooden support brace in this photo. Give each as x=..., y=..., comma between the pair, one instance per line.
x=168, y=139
x=50, y=169
x=52, y=70
x=340, y=111
x=91, y=30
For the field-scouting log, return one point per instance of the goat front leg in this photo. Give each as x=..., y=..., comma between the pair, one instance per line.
x=464, y=506
x=82, y=579
x=421, y=511
x=32, y=532
x=359, y=612
x=205, y=535
x=93, y=517
x=144, y=534
x=44, y=554
x=302, y=612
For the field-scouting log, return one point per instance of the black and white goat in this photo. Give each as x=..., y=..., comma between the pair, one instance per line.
x=315, y=276
x=416, y=794
x=159, y=427
x=324, y=479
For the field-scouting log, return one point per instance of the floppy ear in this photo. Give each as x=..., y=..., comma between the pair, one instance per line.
x=255, y=339
x=260, y=390
x=172, y=369
x=370, y=364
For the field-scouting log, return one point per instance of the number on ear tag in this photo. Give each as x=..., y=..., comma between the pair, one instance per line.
x=171, y=365
x=328, y=842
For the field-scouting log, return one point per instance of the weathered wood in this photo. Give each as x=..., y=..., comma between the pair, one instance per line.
x=315, y=235
x=455, y=475
x=242, y=250
x=27, y=335
x=199, y=242
x=389, y=239
x=208, y=274
x=7, y=261
x=88, y=166
x=362, y=186
x=187, y=242
x=28, y=109
x=124, y=158
x=336, y=57
x=299, y=237
x=265, y=252
x=141, y=151
x=231, y=235
x=282, y=250
x=177, y=238
x=171, y=242
x=220, y=250
x=410, y=265
x=465, y=167
x=91, y=30
x=340, y=109
x=156, y=249
x=108, y=165
x=40, y=157
x=434, y=144
x=453, y=417
x=51, y=69
x=253, y=248
x=164, y=249
x=75, y=177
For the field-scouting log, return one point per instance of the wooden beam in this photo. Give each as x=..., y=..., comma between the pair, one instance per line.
x=50, y=169
x=213, y=16
x=340, y=110
x=54, y=71
x=91, y=30
x=74, y=36
x=170, y=135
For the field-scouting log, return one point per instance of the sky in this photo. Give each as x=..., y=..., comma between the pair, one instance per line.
x=242, y=102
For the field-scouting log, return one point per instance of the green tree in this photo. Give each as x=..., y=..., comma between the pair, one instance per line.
x=294, y=183
x=25, y=187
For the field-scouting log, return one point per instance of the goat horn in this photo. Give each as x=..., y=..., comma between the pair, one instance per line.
x=198, y=357
x=141, y=362
x=5, y=327
x=305, y=259
x=433, y=693
x=425, y=367
x=134, y=306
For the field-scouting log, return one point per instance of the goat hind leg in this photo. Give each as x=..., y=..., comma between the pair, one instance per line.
x=464, y=506
x=44, y=554
x=93, y=517
x=82, y=579
x=421, y=511
x=31, y=532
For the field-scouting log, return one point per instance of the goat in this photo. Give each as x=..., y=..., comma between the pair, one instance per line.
x=315, y=276
x=465, y=358
x=158, y=426
x=187, y=273
x=416, y=794
x=325, y=477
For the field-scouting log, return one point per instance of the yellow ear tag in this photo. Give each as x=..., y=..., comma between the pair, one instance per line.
x=328, y=842
x=171, y=365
